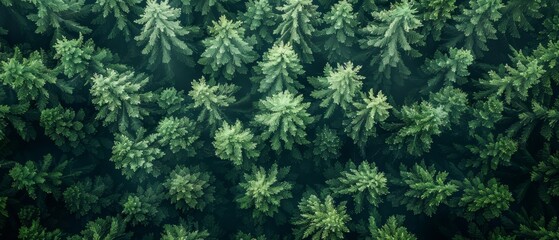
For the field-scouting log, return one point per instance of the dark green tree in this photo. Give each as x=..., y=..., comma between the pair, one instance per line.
x=448, y=69
x=392, y=229
x=58, y=16
x=211, y=100
x=34, y=177
x=340, y=33
x=259, y=20
x=66, y=127
x=190, y=187
x=107, y=228
x=142, y=207
x=116, y=13
x=489, y=200
x=89, y=196
x=131, y=154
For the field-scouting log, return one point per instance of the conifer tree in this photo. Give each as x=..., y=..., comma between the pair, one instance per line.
x=392, y=229
x=327, y=144
x=540, y=229
x=298, y=21
x=259, y=20
x=283, y=118
x=14, y=115
x=547, y=171
x=492, y=152
x=476, y=25
x=142, y=207
x=435, y=14
x=58, y=16
x=33, y=177
x=104, y=229
x=453, y=100
x=79, y=58
x=263, y=190
x=190, y=187
x=420, y=122
x=226, y=50
x=182, y=231
x=66, y=127
x=321, y=219
x=119, y=98
x=279, y=69
x=340, y=34
x=518, y=15
x=392, y=34
x=161, y=33
x=234, y=143
x=131, y=154
x=88, y=196
x=362, y=120
x=422, y=189
x=117, y=14
x=28, y=77
x=338, y=87
x=177, y=134
x=364, y=182
x=485, y=114
x=448, y=69
x=211, y=100
x=488, y=199
x=518, y=79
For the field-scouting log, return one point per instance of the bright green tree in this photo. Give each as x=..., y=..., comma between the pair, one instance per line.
x=321, y=219
x=182, y=232
x=142, y=207
x=364, y=182
x=161, y=33
x=131, y=154
x=453, y=100
x=492, y=152
x=259, y=20
x=66, y=127
x=211, y=100
x=422, y=189
x=435, y=15
x=226, y=50
x=298, y=21
x=361, y=121
x=485, y=114
x=178, y=134
x=119, y=98
x=278, y=71
x=338, y=87
x=392, y=34
x=190, y=187
x=107, y=228
x=263, y=190
x=448, y=69
x=79, y=58
x=234, y=143
x=392, y=229
x=420, y=122
x=283, y=118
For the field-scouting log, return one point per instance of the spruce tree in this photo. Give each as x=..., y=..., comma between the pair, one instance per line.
x=340, y=35
x=279, y=70
x=321, y=219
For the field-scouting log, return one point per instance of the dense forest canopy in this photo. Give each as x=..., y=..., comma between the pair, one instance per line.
x=279, y=119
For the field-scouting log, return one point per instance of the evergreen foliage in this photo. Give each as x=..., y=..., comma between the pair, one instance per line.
x=211, y=100
x=340, y=35
x=392, y=229
x=190, y=187
x=131, y=154
x=34, y=177
x=488, y=199
x=116, y=13
x=278, y=70
x=235, y=144
x=321, y=219
x=263, y=190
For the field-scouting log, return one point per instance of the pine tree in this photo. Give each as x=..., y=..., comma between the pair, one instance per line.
x=547, y=171
x=454, y=102
x=28, y=77
x=485, y=114
x=517, y=15
x=66, y=127
x=183, y=232
x=540, y=229
x=339, y=34
x=264, y=190
x=14, y=114
x=259, y=20
x=362, y=120
x=170, y=100
x=104, y=229
x=327, y=144
x=515, y=83
x=283, y=118
x=79, y=58
x=338, y=87
x=211, y=100
x=226, y=51
x=110, y=12
x=435, y=14
x=489, y=200
x=422, y=189
x=298, y=21
x=278, y=71
x=177, y=134
x=131, y=154
x=392, y=34
x=190, y=187
x=365, y=183
x=448, y=69
x=119, y=99
x=420, y=122
x=476, y=25
x=58, y=16
x=392, y=229
x=88, y=196
x=34, y=177
x=142, y=207
x=321, y=219
x=161, y=33
x=492, y=152
x=234, y=143
x=36, y=231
